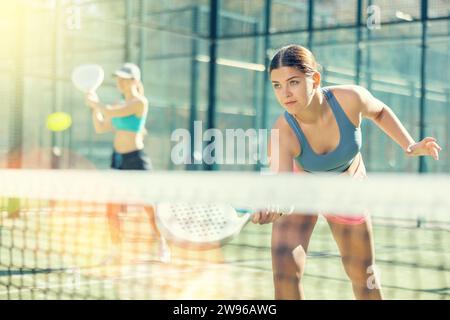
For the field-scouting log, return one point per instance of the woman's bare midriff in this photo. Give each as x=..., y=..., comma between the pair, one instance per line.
x=126, y=141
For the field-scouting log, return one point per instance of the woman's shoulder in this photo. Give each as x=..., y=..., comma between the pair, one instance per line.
x=281, y=122
x=351, y=99
x=139, y=103
x=140, y=100
x=350, y=93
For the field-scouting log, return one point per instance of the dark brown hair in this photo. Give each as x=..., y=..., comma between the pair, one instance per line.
x=295, y=56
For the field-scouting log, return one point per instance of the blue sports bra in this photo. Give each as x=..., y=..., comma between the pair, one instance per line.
x=340, y=158
x=129, y=123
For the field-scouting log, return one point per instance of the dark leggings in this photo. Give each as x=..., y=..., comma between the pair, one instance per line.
x=135, y=160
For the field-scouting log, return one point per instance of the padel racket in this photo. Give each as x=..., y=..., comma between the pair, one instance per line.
x=88, y=77
x=200, y=226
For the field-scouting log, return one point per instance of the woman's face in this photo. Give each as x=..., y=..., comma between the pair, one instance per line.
x=123, y=84
x=294, y=90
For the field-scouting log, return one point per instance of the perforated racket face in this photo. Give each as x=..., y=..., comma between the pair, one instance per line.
x=199, y=225
x=88, y=77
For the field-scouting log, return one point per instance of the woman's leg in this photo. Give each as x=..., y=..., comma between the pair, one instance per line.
x=115, y=231
x=355, y=243
x=137, y=160
x=151, y=219
x=113, y=211
x=290, y=239
x=163, y=248
x=112, y=214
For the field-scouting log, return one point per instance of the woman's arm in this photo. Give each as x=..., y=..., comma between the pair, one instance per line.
x=101, y=125
x=386, y=120
x=281, y=160
x=279, y=154
x=101, y=122
x=119, y=110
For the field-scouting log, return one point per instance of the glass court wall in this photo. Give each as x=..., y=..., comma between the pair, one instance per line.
x=205, y=60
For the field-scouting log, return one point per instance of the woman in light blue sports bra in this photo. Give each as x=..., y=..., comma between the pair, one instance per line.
x=319, y=131
x=127, y=121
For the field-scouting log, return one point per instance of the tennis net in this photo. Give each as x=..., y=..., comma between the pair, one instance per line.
x=59, y=239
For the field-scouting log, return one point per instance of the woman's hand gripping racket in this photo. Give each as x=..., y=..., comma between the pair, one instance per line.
x=87, y=78
x=202, y=226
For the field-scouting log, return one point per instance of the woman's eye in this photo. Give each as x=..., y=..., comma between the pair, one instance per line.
x=276, y=86
x=295, y=82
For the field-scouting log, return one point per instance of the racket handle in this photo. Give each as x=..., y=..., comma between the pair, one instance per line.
x=242, y=212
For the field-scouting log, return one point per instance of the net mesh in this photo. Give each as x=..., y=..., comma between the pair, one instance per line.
x=65, y=244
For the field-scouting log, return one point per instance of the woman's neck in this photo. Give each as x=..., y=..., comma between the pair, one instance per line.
x=315, y=111
x=130, y=94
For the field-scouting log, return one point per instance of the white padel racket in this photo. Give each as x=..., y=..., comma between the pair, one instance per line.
x=88, y=77
x=200, y=226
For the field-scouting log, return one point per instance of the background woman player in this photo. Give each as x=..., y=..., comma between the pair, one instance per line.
x=127, y=121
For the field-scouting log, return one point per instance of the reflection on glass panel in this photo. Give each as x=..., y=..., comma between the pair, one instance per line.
x=338, y=63
x=438, y=29
x=239, y=85
x=391, y=71
x=101, y=9
x=180, y=20
x=399, y=33
x=236, y=89
x=173, y=4
x=243, y=51
x=7, y=94
x=167, y=45
x=334, y=36
x=282, y=40
x=438, y=8
x=330, y=13
x=396, y=10
x=336, y=51
x=289, y=15
x=437, y=108
x=241, y=17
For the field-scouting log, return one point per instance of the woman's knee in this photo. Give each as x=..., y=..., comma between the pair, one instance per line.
x=299, y=255
x=285, y=257
x=290, y=262
x=360, y=271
